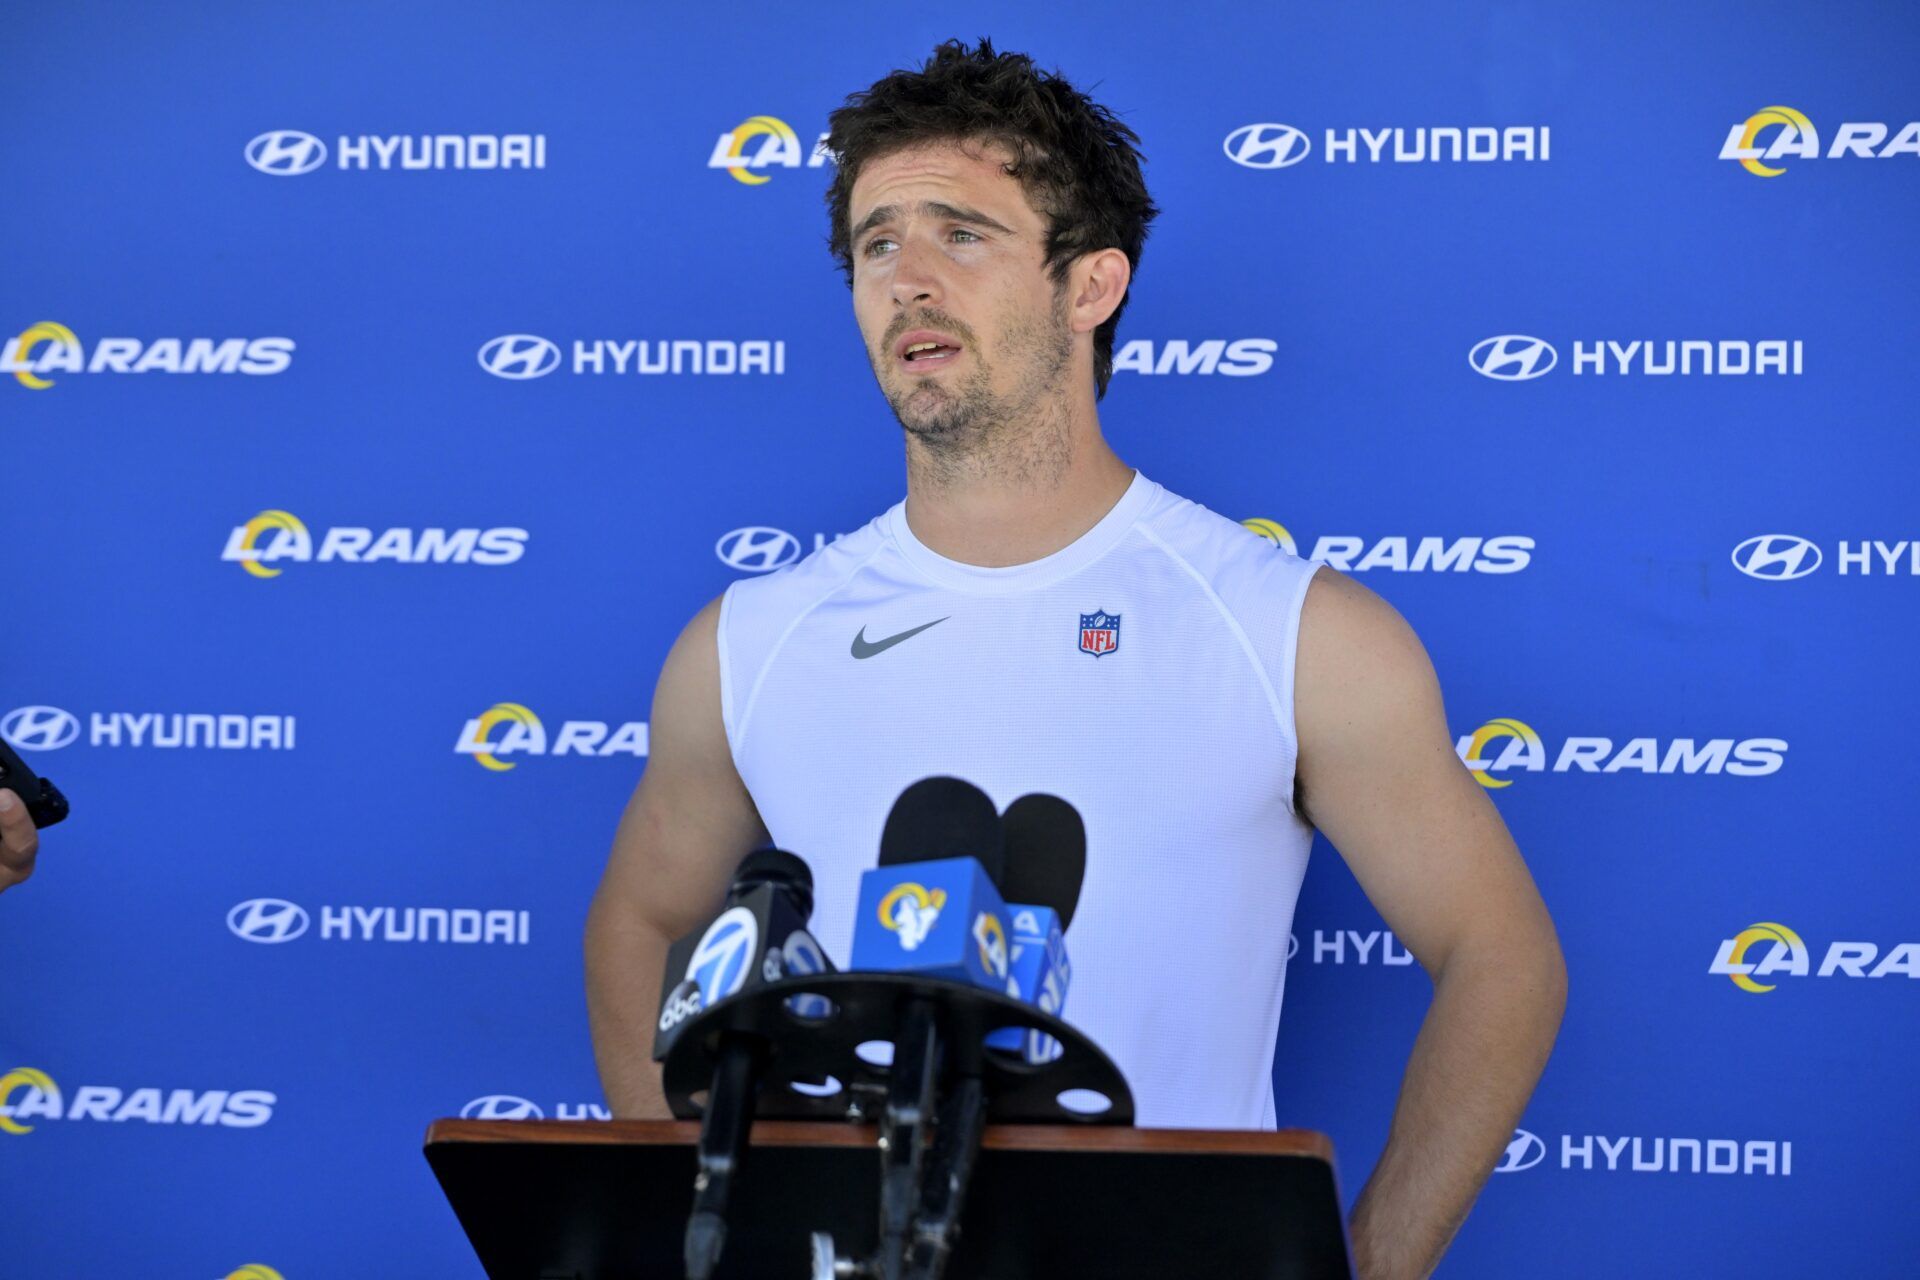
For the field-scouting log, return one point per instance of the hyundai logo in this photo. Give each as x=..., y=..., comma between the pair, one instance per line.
x=501, y=1106
x=39, y=728
x=285, y=152
x=1776, y=557
x=1266, y=146
x=757, y=549
x=267, y=920
x=1513, y=357
x=519, y=356
x=1525, y=1151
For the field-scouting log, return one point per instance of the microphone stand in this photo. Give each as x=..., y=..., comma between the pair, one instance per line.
x=962, y=1119
x=905, y=1127
x=928, y=1144
x=723, y=1143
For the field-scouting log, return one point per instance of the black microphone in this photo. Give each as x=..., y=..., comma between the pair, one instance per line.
x=933, y=905
x=1046, y=863
x=1046, y=844
x=942, y=817
x=758, y=937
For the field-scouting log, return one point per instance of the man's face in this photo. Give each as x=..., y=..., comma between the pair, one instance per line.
x=945, y=242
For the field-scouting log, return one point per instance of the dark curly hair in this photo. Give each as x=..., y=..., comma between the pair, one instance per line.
x=1078, y=165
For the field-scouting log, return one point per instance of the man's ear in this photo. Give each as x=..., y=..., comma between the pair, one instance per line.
x=1097, y=285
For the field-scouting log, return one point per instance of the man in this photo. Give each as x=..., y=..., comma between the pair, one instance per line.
x=1036, y=616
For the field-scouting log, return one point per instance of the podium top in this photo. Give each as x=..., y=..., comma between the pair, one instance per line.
x=1307, y=1143
x=608, y=1200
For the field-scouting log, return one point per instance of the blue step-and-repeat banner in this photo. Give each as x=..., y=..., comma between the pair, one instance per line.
x=385, y=385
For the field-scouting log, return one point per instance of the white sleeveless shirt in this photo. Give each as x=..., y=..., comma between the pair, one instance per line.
x=1144, y=673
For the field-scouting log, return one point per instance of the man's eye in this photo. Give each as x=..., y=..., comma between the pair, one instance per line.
x=872, y=246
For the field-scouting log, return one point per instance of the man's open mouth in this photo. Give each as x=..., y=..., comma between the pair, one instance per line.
x=927, y=355
x=926, y=349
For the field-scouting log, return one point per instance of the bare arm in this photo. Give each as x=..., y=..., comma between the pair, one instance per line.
x=1381, y=779
x=687, y=826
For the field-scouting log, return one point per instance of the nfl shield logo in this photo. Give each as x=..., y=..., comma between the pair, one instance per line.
x=1099, y=633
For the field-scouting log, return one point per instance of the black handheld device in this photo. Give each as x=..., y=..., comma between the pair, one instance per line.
x=45, y=804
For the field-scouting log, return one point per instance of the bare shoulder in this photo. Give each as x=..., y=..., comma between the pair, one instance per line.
x=686, y=701
x=1355, y=650
x=1365, y=692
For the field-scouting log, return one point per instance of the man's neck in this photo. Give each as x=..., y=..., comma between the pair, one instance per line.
x=1021, y=505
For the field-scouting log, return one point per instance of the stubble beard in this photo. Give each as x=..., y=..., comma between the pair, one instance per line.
x=958, y=429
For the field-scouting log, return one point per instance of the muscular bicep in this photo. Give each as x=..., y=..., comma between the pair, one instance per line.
x=690, y=820
x=1379, y=776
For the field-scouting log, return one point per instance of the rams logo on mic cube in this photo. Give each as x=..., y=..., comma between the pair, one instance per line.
x=939, y=919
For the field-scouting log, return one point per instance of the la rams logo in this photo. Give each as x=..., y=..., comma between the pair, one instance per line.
x=1099, y=633
x=910, y=911
x=33, y=1081
x=991, y=937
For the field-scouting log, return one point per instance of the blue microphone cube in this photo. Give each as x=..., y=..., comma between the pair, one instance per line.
x=1040, y=974
x=940, y=919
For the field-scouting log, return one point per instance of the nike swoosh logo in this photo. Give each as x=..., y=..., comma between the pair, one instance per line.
x=865, y=648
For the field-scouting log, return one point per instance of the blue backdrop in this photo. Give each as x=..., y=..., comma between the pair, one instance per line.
x=385, y=386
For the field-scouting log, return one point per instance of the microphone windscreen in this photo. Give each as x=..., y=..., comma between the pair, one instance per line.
x=944, y=818
x=773, y=866
x=1046, y=845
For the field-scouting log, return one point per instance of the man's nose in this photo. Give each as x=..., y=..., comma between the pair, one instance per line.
x=915, y=274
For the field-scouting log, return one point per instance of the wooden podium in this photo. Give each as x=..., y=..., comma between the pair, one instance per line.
x=608, y=1200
